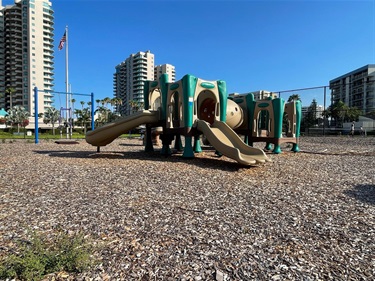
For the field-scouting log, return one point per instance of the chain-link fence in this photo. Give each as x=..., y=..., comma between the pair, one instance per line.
x=317, y=120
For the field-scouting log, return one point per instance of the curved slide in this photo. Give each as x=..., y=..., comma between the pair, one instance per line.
x=227, y=142
x=109, y=132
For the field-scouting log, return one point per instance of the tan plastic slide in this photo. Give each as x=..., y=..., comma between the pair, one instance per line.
x=227, y=142
x=109, y=132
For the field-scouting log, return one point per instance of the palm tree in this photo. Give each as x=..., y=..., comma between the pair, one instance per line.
x=338, y=112
x=17, y=115
x=135, y=105
x=107, y=101
x=116, y=102
x=82, y=103
x=51, y=115
x=103, y=115
x=73, y=101
x=83, y=116
x=97, y=103
x=10, y=91
x=353, y=113
x=294, y=97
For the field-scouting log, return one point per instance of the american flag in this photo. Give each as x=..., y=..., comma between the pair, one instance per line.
x=62, y=41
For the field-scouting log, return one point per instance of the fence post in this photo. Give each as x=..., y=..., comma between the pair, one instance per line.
x=92, y=112
x=324, y=108
x=36, y=115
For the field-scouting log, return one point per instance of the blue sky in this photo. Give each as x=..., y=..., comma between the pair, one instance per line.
x=252, y=45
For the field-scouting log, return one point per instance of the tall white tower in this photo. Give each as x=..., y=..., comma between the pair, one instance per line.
x=129, y=80
x=26, y=53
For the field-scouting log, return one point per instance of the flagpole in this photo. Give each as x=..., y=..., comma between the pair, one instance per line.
x=67, y=79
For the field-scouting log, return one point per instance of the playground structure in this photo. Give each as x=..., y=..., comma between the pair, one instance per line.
x=191, y=107
x=271, y=121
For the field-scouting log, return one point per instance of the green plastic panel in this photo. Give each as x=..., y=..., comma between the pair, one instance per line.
x=278, y=110
x=174, y=86
x=250, y=102
x=189, y=84
x=298, y=117
x=146, y=93
x=207, y=85
x=223, y=96
x=164, y=92
x=263, y=105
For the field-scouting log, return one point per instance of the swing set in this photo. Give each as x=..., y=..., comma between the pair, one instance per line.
x=36, y=92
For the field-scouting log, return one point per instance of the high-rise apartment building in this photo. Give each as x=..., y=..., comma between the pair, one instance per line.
x=26, y=53
x=165, y=69
x=130, y=76
x=355, y=89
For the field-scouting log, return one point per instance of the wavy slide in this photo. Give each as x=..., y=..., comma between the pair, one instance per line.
x=109, y=132
x=227, y=142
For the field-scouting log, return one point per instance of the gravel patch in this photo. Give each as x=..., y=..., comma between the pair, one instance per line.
x=304, y=216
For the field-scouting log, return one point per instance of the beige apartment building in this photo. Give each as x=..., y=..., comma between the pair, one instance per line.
x=130, y=76
x=26, y=53
x=165, y=69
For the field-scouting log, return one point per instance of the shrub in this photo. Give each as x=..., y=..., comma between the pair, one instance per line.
x=38, y=257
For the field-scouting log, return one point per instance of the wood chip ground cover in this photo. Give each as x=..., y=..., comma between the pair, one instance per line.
x=304, y=216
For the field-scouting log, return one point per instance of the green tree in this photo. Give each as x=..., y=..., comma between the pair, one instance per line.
x=102, y=112
x=51, y=115
x=294, y=97
x=353, y=114
x=17, y=116
x=286, y=125
x=107, y=101
x=341, y=113
x=135, y=105
x=311, y=118
x=10, y=91
x=73, y=101
x=97, y=103
x=83, y=117
x=116, y=102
